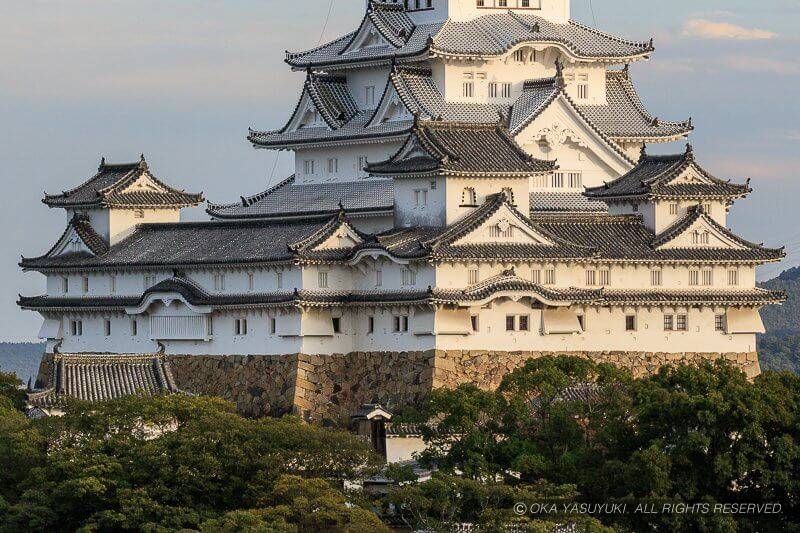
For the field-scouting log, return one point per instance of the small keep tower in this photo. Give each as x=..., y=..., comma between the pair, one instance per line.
x=121, y=196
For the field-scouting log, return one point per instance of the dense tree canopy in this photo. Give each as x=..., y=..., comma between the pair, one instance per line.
x=688, y=434
x=176, y=462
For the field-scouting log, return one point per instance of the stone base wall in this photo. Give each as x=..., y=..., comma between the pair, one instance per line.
x=333, y=387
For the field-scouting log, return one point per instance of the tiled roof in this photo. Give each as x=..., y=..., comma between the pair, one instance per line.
x=332, y=98
x=536, y=96
x=653, y=177
x=108, y=187
x=405, y=40
x=290, y=199
x=565, y=202
x=754, y=296
x=97, y=378
x=625, y=116
x=420, y=94
x=627, y=238
x=495, y=34
x=508, y=281
x=488, y=35
x=83, y=228
x=457, y=148
x=354, y=129
x=194, y=243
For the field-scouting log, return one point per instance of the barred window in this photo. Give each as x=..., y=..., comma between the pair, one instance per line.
x=681, y=323
x=506, y=90
x=604, y=277
x=733, y=277
x=669, y=322
x=550, y=276
x=536, y=276
x=656, y=279
x=591, y=277
x=673, y=209
x=468, y=197
x=583, y=91
x=630, y=323
x=219, y=282
x=409, y=277
x=401, y=323
x=468, y=89
x=511, y=323
x=240, y=327
x=474, y=276
x=85, y=284
x=694, y=277
x=719, y=323
x=708, y=277
x=575, y=180
x=323, y=280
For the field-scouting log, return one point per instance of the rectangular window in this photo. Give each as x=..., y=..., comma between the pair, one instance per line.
x=65, y=285
x=219, y=282
x=708, y=277
x=474, y=276
x=369, y=95
x=409, y=277
x=473, y=320
x=370, y=324
x=493, y=90
x=719, y=323
x=468, y=89
x=323, y=280
x=536, y=276
x=149, y=281
x=134, y=327
x=401, y=323
x=333, y=165
x=502, y=3
x=583, y=91
x=279, y=279
x=421, y=197
x=240, y=327
x=694, y=277
x=575, y=180
x=496, y=232
x=308, y=167
x=85, y=284
x=506, y=90
x=591, y=277
x=337, y=324
x=604, y=275
x=673, y=209
x=519, y=56
x=550, y=276
x=273, y=325
x=250, y=281
x=681, y=323
x=107, y=327
x=524, y=323
x=112, y=284
x=511, y=323
x=669, y=322
x=480, y=3
x=557, y=180
x=630, y=323
x=656, y=279
x=525, y=3
x=76, y=328
x=733, y=277
x=210, y=326
x=379, y=278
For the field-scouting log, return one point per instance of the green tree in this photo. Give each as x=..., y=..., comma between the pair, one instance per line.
x=9, y=388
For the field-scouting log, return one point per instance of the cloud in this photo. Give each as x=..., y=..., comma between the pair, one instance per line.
x=705, y=29
x=760, y=64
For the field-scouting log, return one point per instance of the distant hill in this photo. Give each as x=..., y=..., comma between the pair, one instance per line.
x=779, y=348
x=21, y=358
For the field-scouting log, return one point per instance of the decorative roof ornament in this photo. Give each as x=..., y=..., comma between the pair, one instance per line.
x=560, y=73
x=143, y=163
x=642, y=154
x=102, y=164
x=689, y=152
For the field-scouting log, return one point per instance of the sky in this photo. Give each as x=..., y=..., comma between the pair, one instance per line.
x=182, y=80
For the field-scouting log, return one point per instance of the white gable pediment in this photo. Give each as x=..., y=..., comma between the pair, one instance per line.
x=368, y=36
x=306, y=115
x=504, y=226
x=70, y=243
x=343, y=237
x=702, y=234
x=690, y=175
x=143, y=183
x=391, y=109
x=560, y=128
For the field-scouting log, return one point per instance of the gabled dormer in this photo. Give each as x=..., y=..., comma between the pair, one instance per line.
x=120, y=196
x=665, y=188
x=445, y=170
x=338, y=234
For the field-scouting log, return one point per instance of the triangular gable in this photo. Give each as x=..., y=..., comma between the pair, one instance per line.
x=336, y=234
x=69, y=243
x=144, y=182
x=559, y=122
x=306, y=115
x=391, y=108
x=698, y=230
x=506, y=226
x=692, y=174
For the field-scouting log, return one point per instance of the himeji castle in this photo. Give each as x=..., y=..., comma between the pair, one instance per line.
x=473, y=186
